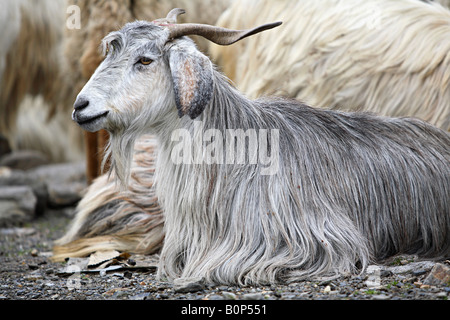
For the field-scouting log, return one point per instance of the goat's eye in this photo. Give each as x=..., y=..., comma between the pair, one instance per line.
x=145, y=61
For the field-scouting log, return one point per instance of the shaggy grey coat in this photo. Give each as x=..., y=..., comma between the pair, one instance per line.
x=351, y=188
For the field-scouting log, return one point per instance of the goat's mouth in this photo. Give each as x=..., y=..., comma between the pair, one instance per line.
x=89, y=123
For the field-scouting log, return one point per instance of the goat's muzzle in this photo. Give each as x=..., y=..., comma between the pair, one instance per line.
x=88, y=120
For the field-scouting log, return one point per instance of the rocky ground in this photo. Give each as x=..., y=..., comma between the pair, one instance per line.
x=31, y=222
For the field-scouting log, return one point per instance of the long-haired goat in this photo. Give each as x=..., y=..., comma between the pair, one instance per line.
x=254, y=83
x=383, y=56
x=349, y=188
x=100, y=17
x=102, y=204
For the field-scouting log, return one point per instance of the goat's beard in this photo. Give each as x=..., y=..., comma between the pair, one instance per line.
x=119, y=154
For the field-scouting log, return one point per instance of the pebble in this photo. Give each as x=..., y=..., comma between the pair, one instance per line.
x=33, y=266
x=229, y=295
x=182, y=285
x=252, y=296
x=141, y=296
x=216, y=297
x=440, y=274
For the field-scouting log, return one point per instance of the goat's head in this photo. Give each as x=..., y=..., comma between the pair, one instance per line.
x=151, y=64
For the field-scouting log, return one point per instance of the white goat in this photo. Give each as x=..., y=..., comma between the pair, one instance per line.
x=349, y=188
x=98, y=18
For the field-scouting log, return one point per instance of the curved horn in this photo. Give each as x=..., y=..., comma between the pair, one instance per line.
x=173, y=14
x=218, y=35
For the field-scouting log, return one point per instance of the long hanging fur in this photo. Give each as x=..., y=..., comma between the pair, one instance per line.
x=351, y=188
x=130, y=222
x=234, y=60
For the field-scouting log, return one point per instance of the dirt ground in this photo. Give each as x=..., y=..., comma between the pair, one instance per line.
x=27, y=273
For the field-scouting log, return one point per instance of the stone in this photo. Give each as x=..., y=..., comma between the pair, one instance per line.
x=374, y=276
x=21, y=232
x=62, y=195
x=24, y=159
x=419, y=272
x=229, y=295
x=17, y=205
x=215, y=297
x=439, y=275
x=11, y=178
x=253, y=296
x=184, y=285
x=411, y=267
x=66, y=182
x=140, y=296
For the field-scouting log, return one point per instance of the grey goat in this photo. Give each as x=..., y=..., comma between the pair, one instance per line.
x=349, y=188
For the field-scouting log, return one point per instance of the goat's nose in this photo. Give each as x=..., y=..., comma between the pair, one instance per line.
x=80, y=103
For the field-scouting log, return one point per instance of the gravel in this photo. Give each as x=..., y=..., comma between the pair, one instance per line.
x=27, y=273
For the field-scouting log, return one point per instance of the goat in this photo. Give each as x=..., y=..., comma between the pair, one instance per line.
x=99, y=17
x=349, y=189
x=251, y=82
x=387, y=57
x=102, y=204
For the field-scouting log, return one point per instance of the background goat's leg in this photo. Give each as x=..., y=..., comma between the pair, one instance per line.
x=95, y=147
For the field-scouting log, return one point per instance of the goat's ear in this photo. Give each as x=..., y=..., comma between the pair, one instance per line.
x=192, y=80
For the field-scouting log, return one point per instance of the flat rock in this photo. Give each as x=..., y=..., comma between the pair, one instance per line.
x=65, y=182
x=24, y=159
x=11, y=177
x=17, y=204
x=62, y=172
x=229, y=295
x=17, y=231
x=253, y=296
x=411, y=267
x=184, y=285
x=19, y=178
x=439, y=275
